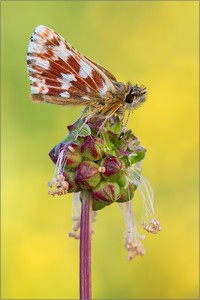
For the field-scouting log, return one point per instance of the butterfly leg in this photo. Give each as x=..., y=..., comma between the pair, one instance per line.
x=109, y=113
x=84, y=112
x=94, y=113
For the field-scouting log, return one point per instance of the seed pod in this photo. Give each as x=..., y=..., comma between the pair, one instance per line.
x=70, y=178
x=87, y=175
x=72, y=156
x=92, y=148
x=105, y=194
x=113, y=168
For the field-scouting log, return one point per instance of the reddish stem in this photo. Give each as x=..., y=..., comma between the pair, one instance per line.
x=85, y=245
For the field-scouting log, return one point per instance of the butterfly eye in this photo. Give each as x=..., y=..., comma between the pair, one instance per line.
x=129, y=97
x=136, y=94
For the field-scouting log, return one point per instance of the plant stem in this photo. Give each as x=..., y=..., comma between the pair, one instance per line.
x=85, y=245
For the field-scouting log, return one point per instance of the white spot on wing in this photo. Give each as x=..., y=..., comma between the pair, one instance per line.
x=61, y=52
x=33, y=79
x=40, y=28
x=69, y=77
x=66, y=80
x=65, y=94
x=40, y=88
x=39, y=38
x=44, y=31
x=44, y=63
x=85, y=69
x=85, y=97
x=35, y=47
x=29, y=57
x=103, y=90
x=32, y=70
x=88, y=89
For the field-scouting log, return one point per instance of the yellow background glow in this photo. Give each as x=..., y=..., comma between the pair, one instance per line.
x=154, y=43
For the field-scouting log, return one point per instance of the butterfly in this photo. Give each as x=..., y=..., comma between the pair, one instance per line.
x=59, y=74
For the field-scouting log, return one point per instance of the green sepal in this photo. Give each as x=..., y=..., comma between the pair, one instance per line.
x=138, y=156
x=127, y=193
x=122, y=181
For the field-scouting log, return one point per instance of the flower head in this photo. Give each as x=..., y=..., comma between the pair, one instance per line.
x=95, y=156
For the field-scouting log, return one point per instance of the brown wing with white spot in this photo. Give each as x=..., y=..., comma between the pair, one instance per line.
x=59, y=72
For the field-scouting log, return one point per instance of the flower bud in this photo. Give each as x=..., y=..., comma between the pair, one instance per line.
x=70, y=178
x=113, y=168
x=87, y=175
x=105, y=194
x=72, y=156
x=92, y=148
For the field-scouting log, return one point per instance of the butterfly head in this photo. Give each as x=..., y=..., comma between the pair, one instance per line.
x=135, y=96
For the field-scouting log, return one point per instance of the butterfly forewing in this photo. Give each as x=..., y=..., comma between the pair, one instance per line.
x=60, y=74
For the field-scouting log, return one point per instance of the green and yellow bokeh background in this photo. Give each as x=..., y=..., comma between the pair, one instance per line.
x=153, y=43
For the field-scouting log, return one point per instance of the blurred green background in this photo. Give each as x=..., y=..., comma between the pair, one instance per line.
x=153, y=43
